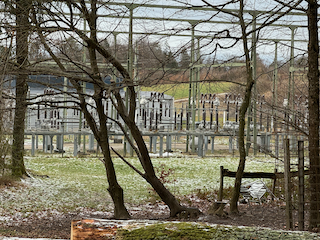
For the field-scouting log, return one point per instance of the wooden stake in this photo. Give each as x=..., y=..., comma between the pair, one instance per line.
x=301, y=185
x=289, y=222
x=221, y=184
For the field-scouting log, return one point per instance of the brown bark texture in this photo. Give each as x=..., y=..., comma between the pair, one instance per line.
x=22, y=33
x=101, y=131
x=243, y=109
x=313, y=102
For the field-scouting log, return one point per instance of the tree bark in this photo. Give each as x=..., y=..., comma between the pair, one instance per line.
x=22, y=33
x=114, y=189
x=243, y=109
x=101, y=132
x=149, y=175
x=313, y=106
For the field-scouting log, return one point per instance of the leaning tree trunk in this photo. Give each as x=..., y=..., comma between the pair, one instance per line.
x=149, y=175
x=313, y=102
x=102, y=137
x=128, y=117
x=22, y=33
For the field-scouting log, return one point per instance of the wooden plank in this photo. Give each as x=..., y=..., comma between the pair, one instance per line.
x=227, y=173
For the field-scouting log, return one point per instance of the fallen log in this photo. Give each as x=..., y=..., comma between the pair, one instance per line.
x=92, y=229
x=98, y=229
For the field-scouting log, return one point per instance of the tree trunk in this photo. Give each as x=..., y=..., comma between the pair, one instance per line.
x=101, y=133
x=166, y=196
x=243, y=109
x=128, y=117
x=115, y=190
x=313, y=102
x=22, y=33
x=242, y=150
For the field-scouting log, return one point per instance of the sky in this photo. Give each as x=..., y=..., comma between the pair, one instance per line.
x=213, y=26
x=182, y=26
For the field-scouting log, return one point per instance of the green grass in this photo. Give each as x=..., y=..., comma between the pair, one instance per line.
x=75, y=183
x=179, y=91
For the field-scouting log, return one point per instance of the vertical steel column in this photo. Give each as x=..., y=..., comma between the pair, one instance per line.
x=212, y=144
x=113, y=113
x=136, y=79
x=291, y=75
x=75, y=146
x=84, y=59
x=65, y=112
x=130, y=69
x=51, y=144
x=161, y=146
x=275, y=99
x=254, y=75
x=193, y=84
x=198, y=76
x=33, y=145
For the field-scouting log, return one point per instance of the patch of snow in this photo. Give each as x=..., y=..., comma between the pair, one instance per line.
x=165, y=154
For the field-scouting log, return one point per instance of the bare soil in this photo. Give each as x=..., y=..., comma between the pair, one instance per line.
x=271, y=215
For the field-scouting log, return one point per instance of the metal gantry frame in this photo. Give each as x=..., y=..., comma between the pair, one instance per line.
x=195, y=65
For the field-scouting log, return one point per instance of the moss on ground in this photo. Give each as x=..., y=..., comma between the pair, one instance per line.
x=190, y=231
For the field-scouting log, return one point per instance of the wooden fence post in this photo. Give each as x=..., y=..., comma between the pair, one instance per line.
x=287, y=180
x=274, y=182
x=221, y=184
x=301, y=185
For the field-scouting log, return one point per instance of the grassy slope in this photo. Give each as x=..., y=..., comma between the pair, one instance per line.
x=179, y=91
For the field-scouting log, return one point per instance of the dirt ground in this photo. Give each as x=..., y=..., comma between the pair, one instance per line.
x=271, y=215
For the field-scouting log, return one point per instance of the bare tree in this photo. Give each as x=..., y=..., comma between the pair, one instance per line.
x=102, y=91
x=249, y=78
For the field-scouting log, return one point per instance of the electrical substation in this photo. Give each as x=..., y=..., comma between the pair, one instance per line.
x=204, y=115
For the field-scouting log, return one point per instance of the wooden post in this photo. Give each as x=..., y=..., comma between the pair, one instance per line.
x=274, y=182
x=289, y=222
x=221, y=184
x=301, y=185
